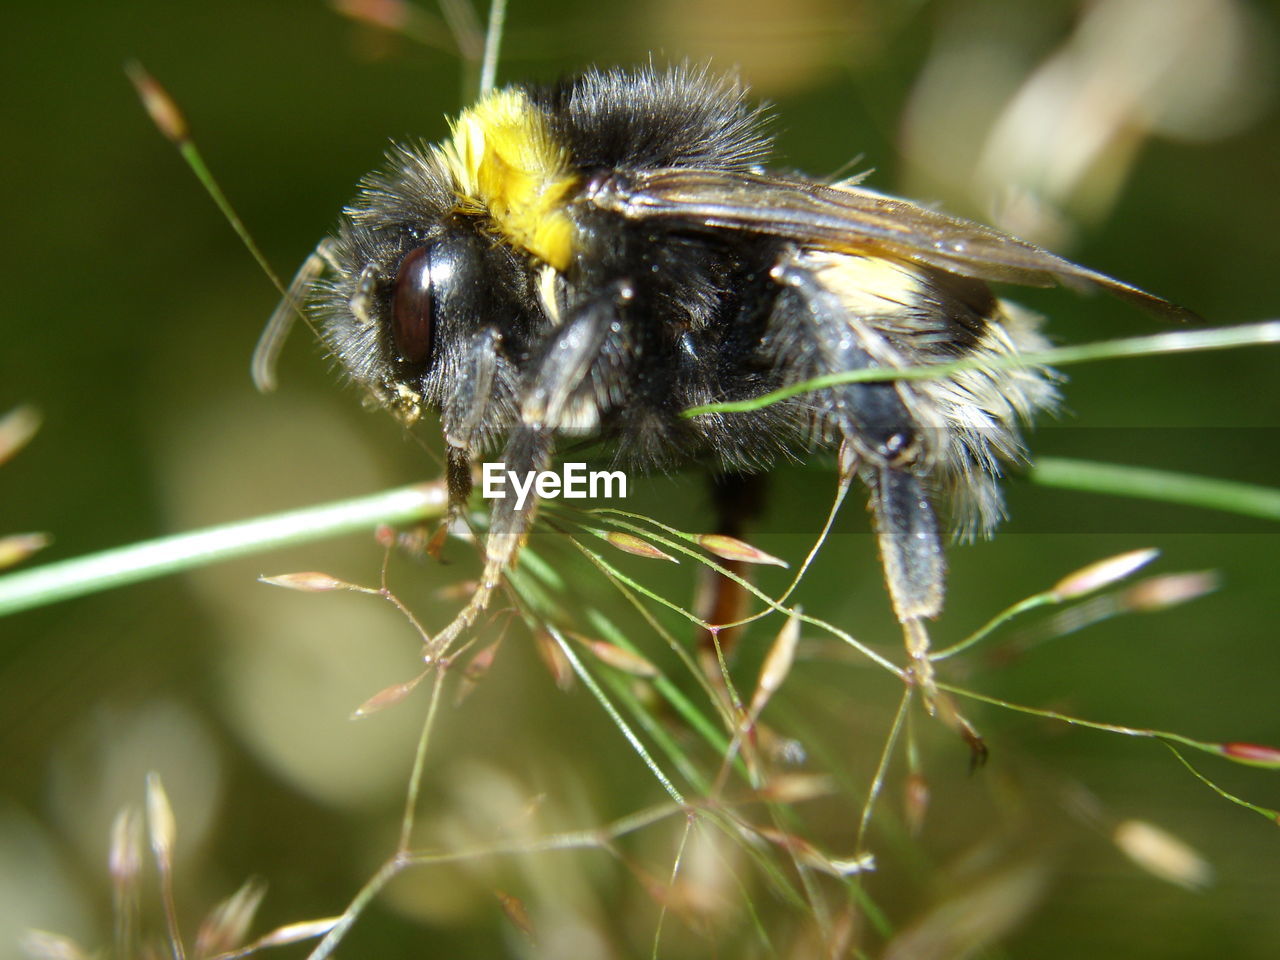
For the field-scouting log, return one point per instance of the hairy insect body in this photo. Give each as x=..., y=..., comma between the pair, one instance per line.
x=594, y=258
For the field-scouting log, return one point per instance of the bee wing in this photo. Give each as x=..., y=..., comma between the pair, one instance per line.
x=851, y=219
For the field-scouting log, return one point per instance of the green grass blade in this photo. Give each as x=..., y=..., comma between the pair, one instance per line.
x=1182, y=488
x=184, y=551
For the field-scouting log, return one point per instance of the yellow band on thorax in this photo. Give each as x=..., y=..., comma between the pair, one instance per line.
x=505, y=164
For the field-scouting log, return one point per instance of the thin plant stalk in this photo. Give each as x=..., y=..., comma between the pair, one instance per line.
x=1223, y=338
x=198, y=548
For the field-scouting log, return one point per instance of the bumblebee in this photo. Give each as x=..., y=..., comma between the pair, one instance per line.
x=592, y=259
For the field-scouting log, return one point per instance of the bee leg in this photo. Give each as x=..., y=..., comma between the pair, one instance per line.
x=890, y=446
x=552, y=398
x=457, y=473
x=737, y=499
x=885, y=438
x=568, y=358
x=910, y=543
x=912, y=557
x=465, y=410
x=462, y=416
x=528, y=451
x=911, y=552
x=549, y=399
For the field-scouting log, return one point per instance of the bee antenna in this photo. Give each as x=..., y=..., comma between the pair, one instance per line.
x=271, y=341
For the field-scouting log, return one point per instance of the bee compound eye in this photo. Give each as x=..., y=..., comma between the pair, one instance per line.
x=412, y=307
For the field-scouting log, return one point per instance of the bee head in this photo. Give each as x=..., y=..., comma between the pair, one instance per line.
x=414, y=275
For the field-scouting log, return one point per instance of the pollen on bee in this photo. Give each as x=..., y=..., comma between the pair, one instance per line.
x=503, y=160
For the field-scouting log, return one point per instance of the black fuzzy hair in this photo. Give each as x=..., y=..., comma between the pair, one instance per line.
x=684, y=116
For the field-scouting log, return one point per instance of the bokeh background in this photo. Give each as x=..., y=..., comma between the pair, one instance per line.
x=1138, y=136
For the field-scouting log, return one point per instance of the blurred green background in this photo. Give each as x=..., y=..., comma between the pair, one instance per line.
x=1138, y=136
